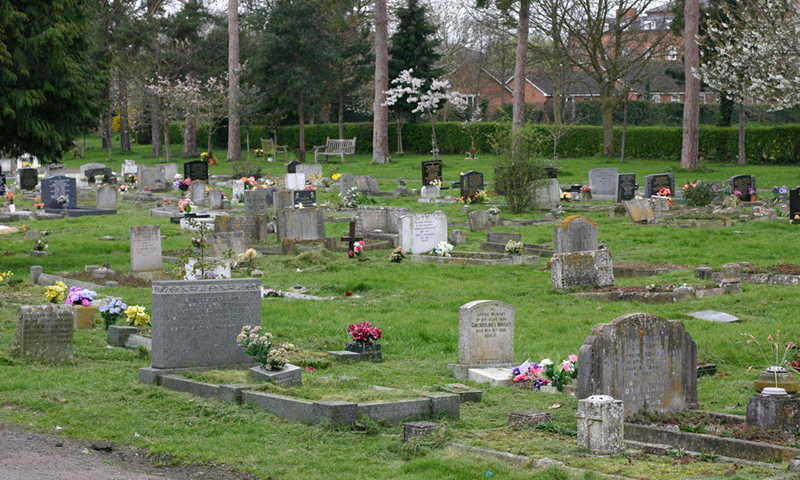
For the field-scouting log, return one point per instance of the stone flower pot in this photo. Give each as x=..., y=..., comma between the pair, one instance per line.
x=367, y=350
x=785, y=379
x=84, y=317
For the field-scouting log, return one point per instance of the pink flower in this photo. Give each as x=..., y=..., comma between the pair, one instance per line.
x=566, y=366
x=347, y=294
x=573, y=358
x=311, y=369
x=520, y=377
x=85, y=302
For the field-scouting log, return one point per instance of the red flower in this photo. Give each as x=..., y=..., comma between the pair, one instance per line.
x=351, y=254
x=348, y=294
x=311, y=369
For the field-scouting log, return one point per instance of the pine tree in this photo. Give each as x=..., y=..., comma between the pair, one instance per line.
x=49, y=95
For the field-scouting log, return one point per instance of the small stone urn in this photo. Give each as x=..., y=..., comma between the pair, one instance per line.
x=586, y=197
x=777, y=377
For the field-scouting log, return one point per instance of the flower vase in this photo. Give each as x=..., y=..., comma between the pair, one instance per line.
x=367, y=350
x=183, y=188
x=586, y=197
x=785, y=380
x=64, y=206
x=84, y=317
x=752, y=198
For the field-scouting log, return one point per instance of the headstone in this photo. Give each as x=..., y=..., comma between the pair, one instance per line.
x=55, y=187
x=90, y=166
x=604, y=183
x=346, y=183
x=301, y=224
x=370, y=218
x=107, y=197
x=458, y=237
x=430, y=192
x=643, y=360
x=198, y=192
x=255, y=201
x=238, y=190
x=295, y=181
x=195, y=323
x=154, y=178
x=660, y=204
x=28, y=178
x=44, y=333
x=575, y=234
x=2, y=185
x=291, y=167
x=600, y=424
x=197, y=170
x=170, y=171
x=431, y=170
x=129, y=168
x=640, y=211
x=304, y=198
x=54, y=169
x=547, y=194
x=421, y=232
x=471, y=183
x=654, y=183
x=366, y=184
x=146, y=248
x=742, y=183
x=309, y=169
x=486, y=334
x=215, y=199
x=282, y=200
x=593, y=268
x=478, y=221
x=106, y=173
x=220, y=242
x=794, y=202
x=626, y=187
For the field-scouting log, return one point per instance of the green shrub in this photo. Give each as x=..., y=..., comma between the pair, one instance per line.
x=699, y=194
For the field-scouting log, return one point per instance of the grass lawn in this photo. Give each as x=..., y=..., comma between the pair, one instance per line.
x=99, y=397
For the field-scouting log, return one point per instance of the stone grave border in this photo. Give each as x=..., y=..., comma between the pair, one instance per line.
x=306, y=411
x=680, y=294
x=628, y=272
x=531, y=249
x=476, y=258
x=708, y=273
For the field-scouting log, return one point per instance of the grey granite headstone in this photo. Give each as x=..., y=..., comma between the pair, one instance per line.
x=604, y=183
x=642, y=359
x=221, y=242
x=256, y=201
x=215, y=199
x=486, y=333
x=154, y=177
x=346, y=183
x=478, y=221
x=711, y=315
x=107, y=197
x=300, y=224
x=421, y=232
x=197, y=192
x=575, y=234
x=44, y=333
x=370, y=218
x=55, y=187
x=195, y=323
x=366, y=184
x=146, y=248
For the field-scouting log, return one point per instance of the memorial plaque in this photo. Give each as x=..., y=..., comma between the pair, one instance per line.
x=291, y=167
x=195, y=323
x=743, y=183
x=642, y=359
x=44, y=333
x=485, y=333
x=146, y=248
x=28, y=178
x=196, y=170
x=654, y=183
x=54, y=188
x=471, y=183
x=626, y=187
x=304, y=198
x=420, y=233
x=431, y=170
x=604, y=182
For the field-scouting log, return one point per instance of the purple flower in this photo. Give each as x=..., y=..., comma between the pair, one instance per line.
x=516, y=371
x=782, y=191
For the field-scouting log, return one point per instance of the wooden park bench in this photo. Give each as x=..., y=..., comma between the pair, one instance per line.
x=334, y=147
x=271, y=149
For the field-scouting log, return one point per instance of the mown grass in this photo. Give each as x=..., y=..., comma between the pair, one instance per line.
x=99, y=397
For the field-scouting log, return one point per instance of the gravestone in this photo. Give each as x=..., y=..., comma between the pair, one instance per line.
x=129, y=168
x=346, y=183
x=366, y=184
x=238, y=190
x=575, y=234
x=309, y=169
x=370, y=218
x=502, y=237
x=44, y=333
x=255, y=201
x=254, y=228
x=55, y=169
x=55, y=187
x=154, y=178
x=421, y=232
x=626, y=187
x=197, y=192
x=590, y=268
x=654, y=183
x=547, y=194
x=304, y=198
x=471, y=183
x=106, y=173
x=291, y=167
x=430, y=192
x=2, y=185
x=604, y=183
x=742, y=183
x=107, y=197
x=485, y=336
x=295, y=181
x=28, y=178
x=642, y=359
x=431, y=170
x=478, y=221
x=197, y=170
x=282, y=200
x=146, y=248
x=794, y=202
x=221, y=242
x=170, y=172
x=640, y=210
x=91, y=166
x=215, y=199
x=301, y=224
x=195, y=323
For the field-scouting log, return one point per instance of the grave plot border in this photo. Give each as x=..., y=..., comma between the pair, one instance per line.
x=655, y=298
x=476, y=258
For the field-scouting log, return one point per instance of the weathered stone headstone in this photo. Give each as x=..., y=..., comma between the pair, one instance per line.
x=431, y=170
x=154, y=178
x=44, y=333
x=28, y=178
x=502, y=237
x=604, y=183
x=794, y=202
x=458, y=237
x=90, y=166
x=215, y=199
x=471, y=183
x=254, y=228
x=291, y=167
x=198, y=192
x=575, y=234
x=654, y=183
x=485, y=336
x=421, y=232
x=366, y=184
x=300, y=224
x=370, y=218
x=54, y=188
x=626, y=187
x=195, y=323
x=600, y=424
x=197, y=170
x=640, y=211
x=430, y=192
x=304, y=198
x=743, y=184
x=593, y=268
x=107, y=197
x=107, y=175
x=346, y=183
x=255, y=201
x=642, y=359
x=146, y=248
x=547, y=194
x=478, y=221
x=238, y=190
x=220, y=242
x=282, y=200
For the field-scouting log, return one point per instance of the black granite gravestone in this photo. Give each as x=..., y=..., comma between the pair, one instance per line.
x=471, y=183
x=291, y=167
x=431, y=170
x=28, y=178
x=794, y=202
x=60, y=187
x=2, y=185
x=197, y=170
x=654, y=183
x=626, y=187
x=744, y=184
x=306, y=198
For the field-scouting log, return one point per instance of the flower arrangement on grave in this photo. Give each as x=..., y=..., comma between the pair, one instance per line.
x=165, y=202
x=515, y=248
x=56, y=293
x=248, y=258
x=529, y=376
x=271, y=293
x=124, y=188
x=5, y=275
x=564, y=376
x=80, y=296
x=364, y=332
x=795, y=220
x=353, y=197
x=436, y=182
x=40, y=246
x=62, y=199
x=664, y=192
x=136, y=316
x=778, y=193
x=182, y=184
x=566, y=196
x=258, y=152
x=258, y=344
x=37, y=203
x=112, y=312
x=397, y=255
x=778, y=361
x=336, y=176
x=358, y=249
x=493, y=211
x=478, y=197
x=10, y=198
x=249, y=183
x=185, y=205
x=586, y=189
x=443, y=249
x=732, y=200
x=698, y=194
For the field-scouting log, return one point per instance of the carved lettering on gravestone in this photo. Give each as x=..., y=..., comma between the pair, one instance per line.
x=431, y=170
x=603, y=181
x=743, y=183
x=654, y=183
x=146, y=248
x=642, y=359
x=196, y=170
x=255, y=201
x=44, y=333
x=626, y=187
x=28, y=178
x=486, y=333
x=421, y=232
x=471, y=183
x=54, y=188
x=304, y=198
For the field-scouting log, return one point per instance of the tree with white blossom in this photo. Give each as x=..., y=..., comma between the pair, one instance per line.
x=428, y=102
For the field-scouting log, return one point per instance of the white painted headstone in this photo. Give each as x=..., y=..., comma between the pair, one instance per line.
x=421, y=232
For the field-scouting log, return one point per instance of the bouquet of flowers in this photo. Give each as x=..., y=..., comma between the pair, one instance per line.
x=364, y=332
x=40, y=246
x=493, y=211
x=515, y=248
x=529, y=376
x=259, y=153
x=568, y=372
x=336, y=176
x=397, y=255
x=566, y=196
x=112, y=312
x=124, y=188
x=185, y=205
x=358, y=249
x=182, y=185
x=443, y=249
x=56, y=293
x=259, y=345
x=665, y=192
x=62, y=199
x=136, y=316
x=586, y=189
x=778, y=192
x=79, y=296
x=248, y=258
x=10, y=198
x=5, y=275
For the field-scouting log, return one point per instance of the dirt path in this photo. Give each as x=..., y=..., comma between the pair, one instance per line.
x=28, y=455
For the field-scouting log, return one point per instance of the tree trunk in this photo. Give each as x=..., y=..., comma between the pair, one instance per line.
x=380, y=125
x=518, y=113
x=124, y=124
x=624, y=130
x=155, y=126
x=691, y=104
x=300, y=118
x=167, y=151
x=607, y=111
x=105, y=118
x=190, y=135
x=341, y=115
x=742, y=153
x=234, y=124
x=557, y=97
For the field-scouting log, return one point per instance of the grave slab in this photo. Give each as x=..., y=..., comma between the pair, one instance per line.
x=492, y=376
x=711, y=315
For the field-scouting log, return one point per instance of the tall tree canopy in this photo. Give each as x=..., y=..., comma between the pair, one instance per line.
x=49, y=95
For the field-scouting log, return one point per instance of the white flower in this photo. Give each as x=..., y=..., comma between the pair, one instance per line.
x=546, y=362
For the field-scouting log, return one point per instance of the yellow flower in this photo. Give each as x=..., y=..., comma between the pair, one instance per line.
x=336, y=176
x=5, y=275
x=136, y=316
x=56, y=293
x=25, y=228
